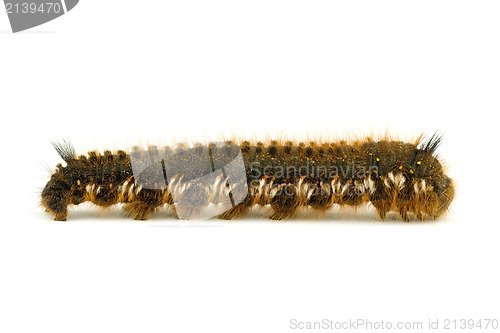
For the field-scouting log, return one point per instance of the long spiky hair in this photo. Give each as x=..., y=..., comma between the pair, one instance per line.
x=65, y=149
x=432, y=143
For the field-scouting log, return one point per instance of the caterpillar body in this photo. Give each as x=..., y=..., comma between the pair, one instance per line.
x=392, y=175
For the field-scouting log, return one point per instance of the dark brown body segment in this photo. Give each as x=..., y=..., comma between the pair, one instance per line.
x=391, y=175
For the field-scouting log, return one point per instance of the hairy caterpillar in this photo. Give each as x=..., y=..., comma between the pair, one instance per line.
x=392, y=175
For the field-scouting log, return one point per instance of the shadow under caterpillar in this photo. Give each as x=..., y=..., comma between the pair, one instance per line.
x=392, y=175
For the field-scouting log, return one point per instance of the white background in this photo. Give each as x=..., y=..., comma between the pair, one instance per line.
x=115, y=72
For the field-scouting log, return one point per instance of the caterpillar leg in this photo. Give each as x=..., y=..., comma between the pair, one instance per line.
x=235, y=212
x=145, y=203
x=139, y=210
x=382, y=198
x=285, y=202
x=382, y=206
x=239, y=210
x=404, y=203
x=188, y=213
x=282, y=214
x=403, y=211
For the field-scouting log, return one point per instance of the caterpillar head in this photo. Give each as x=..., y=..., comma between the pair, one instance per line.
x=426, y=166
